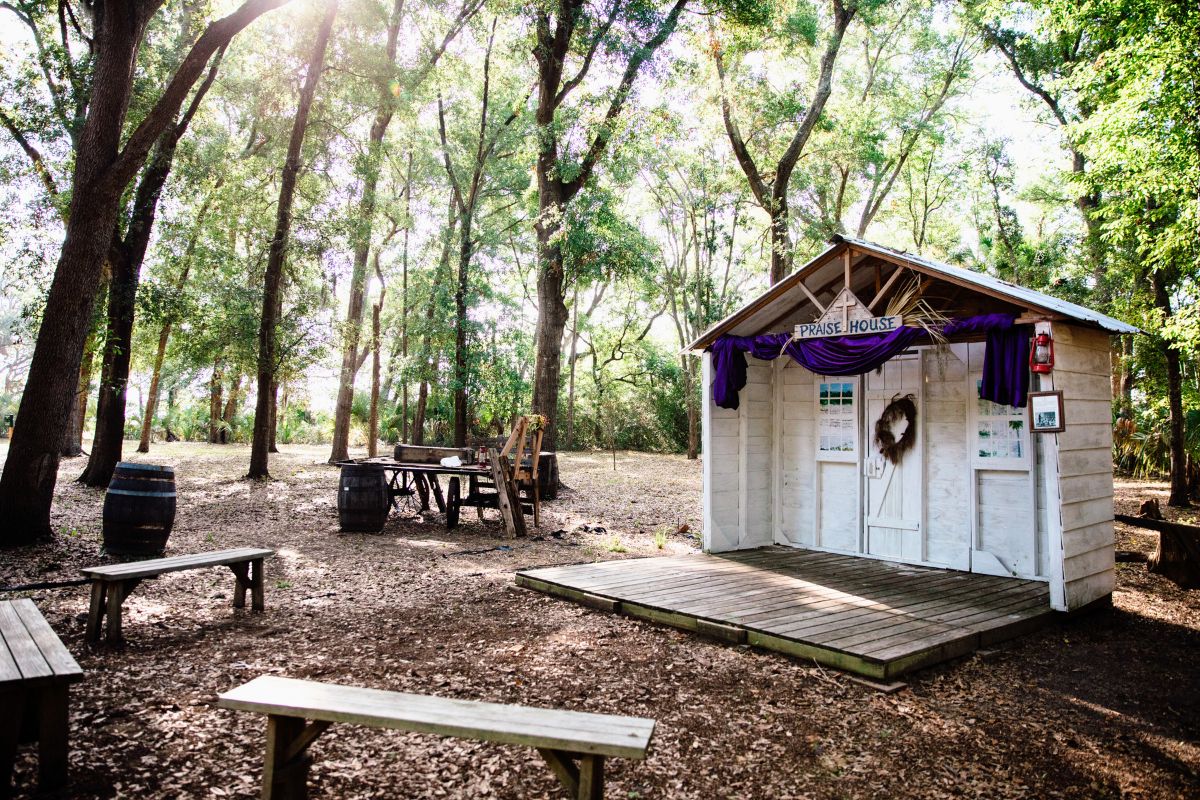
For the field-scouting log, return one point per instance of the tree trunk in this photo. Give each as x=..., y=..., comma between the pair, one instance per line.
x=361, y=235
x=373, y=416
x=232, y=401
x=277, y=405
x=418, y=436
x=1179, y=488
x=102, y=170
x=164, y=335
x=31, y=469
x=114, y=374
x=693, y=407
x=73, y=443
x=460, y=332
x=215, y=391
x=781, y=242
x=572, y=359
x=273, y=279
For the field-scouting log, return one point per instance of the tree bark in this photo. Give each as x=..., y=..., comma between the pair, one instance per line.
x=215, y=391
x=103, y=167
x=277, y=405
x=73, y=443
x=273, y=279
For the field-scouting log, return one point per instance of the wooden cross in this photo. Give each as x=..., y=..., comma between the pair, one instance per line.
x=847, y=301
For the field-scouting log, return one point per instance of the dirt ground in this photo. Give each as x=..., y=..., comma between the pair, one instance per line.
x=1104, y=706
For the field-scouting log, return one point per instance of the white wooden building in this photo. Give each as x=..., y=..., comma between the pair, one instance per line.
x=979, y=492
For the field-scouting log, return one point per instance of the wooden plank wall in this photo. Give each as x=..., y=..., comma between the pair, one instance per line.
x=1082, y=370
x=795, y=484
x=720, y=440
x=947, y=473
x=755, y=456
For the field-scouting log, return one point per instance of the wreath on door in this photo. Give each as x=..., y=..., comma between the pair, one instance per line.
x=899, y=408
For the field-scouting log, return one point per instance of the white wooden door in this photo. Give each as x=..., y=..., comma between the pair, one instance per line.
x=893, y=494
x=838, y=440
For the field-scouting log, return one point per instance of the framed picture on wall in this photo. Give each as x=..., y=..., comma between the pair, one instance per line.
x=1046, y=412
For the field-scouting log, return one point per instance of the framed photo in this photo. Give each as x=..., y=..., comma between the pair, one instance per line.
x=1046, y=412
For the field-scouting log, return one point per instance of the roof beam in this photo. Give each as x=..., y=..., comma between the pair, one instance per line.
x=879, y=295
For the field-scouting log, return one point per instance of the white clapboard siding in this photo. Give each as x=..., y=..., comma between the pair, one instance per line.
x=1082, y=371
x=947, y=482
x=795, y=442
x=720, y=438
x=755, y=456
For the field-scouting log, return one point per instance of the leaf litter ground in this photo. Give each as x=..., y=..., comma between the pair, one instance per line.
x=1104, y=706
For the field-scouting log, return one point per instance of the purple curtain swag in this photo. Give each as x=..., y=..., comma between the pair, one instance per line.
x=1005, y=360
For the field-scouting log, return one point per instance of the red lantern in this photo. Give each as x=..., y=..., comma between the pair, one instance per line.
x=1041, y=355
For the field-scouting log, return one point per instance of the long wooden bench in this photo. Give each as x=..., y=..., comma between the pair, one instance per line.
x=36, y=673
x=112, y=584
x=573, y=743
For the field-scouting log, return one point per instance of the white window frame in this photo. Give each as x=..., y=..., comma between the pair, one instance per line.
x=1017, y=414
x=846, y=456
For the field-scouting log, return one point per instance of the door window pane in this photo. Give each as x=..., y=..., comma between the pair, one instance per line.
x=837, y=419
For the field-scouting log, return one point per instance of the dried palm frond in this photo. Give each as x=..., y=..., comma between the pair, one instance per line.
x=907, y=302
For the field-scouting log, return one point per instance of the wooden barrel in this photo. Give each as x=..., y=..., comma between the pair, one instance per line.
x=139, y=509
x=363, y=499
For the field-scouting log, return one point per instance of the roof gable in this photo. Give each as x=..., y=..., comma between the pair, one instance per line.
x=804, y=294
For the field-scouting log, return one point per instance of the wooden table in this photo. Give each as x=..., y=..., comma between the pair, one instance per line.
x=36, y=672
x=407, y=479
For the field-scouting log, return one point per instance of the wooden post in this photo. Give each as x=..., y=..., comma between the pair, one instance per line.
x=10, y=735
x=591, y=777
x=257, y=578
x=53, y=728
x=241, y=574
x=283, y=780
x=116, y=596
x=512, y=516
x=96, y=611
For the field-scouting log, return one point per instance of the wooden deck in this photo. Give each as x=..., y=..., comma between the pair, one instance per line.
x=874, y=618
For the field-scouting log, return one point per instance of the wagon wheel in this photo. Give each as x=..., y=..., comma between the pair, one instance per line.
x=453, y=504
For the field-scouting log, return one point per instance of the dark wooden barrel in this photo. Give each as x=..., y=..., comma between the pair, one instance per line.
x=139, y=509
x=363, y=500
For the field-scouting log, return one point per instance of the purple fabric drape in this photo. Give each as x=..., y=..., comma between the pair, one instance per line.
x=854, y=355
x=1006, y=366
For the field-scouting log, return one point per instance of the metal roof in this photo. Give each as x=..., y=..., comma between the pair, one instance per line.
x=782, y=304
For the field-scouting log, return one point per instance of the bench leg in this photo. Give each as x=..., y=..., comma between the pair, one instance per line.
x=241, y=579
x=584, y=781
x=10, y=734
x=116, y=596
x=96, y=611
x=53, y=727
x=285, y=773
x=256, y=585
x=591, y=778
x=283, y=780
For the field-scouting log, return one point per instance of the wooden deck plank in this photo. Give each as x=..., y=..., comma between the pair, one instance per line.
x=869, y=616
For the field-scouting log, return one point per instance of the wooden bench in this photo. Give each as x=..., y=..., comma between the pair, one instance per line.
x=36, y=672
x=112, y=584
x=561, y=737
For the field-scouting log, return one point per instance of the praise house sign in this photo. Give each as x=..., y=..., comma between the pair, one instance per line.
x=846, y=316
